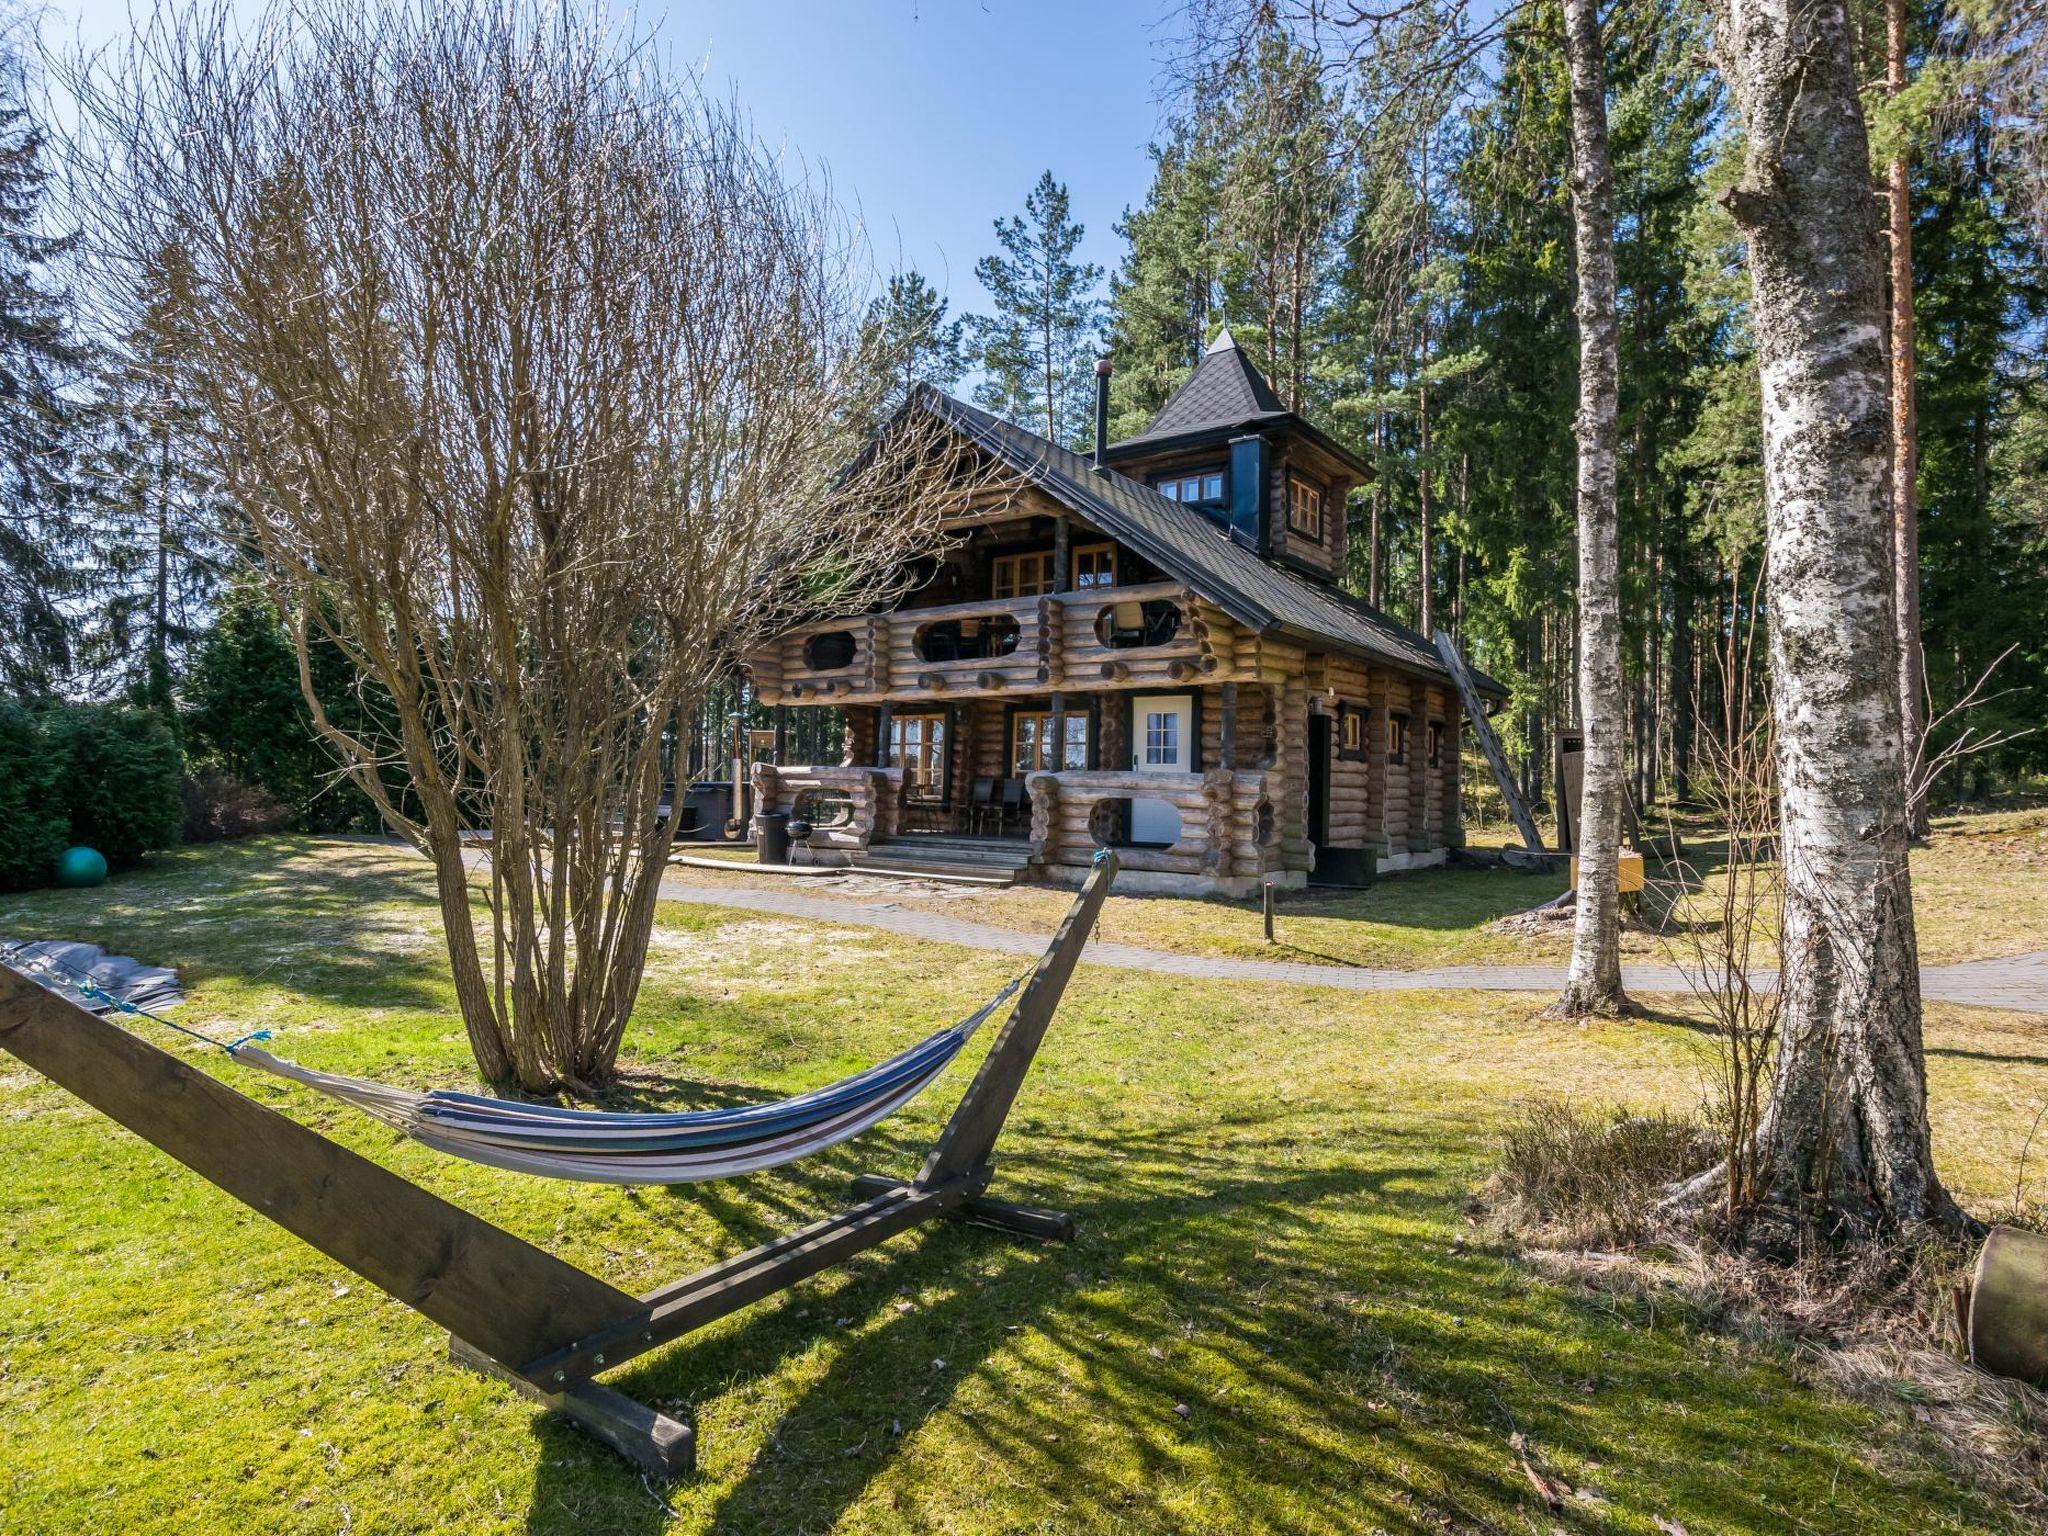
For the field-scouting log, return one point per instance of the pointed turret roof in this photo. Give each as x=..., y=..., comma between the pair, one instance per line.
x=1224, y=396
x=1225, y=390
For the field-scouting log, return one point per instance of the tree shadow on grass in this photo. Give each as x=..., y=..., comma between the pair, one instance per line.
x=1343, y=1362
x=291, y=912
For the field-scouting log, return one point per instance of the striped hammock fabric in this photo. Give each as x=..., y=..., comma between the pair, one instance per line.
x=609, y=1147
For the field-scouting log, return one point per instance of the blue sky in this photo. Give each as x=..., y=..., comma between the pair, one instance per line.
x=934, y=116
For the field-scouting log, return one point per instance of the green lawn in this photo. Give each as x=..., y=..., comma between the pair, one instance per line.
x=1980, y=891
x=1270, y=1184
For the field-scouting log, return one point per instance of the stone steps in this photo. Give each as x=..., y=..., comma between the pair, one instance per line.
x=980, y=861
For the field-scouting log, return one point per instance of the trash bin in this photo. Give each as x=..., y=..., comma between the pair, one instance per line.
x=773, y=844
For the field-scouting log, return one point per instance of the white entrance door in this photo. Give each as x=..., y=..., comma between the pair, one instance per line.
x=1162, y=742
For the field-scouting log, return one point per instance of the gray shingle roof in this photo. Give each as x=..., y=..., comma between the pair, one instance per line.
x=1225, y=390
x=1196, y=550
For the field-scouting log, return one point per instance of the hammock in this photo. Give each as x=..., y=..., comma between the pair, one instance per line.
x=589, y=1146
x=608, y=1147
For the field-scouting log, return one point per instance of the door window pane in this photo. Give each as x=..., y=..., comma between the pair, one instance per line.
x=1162, y=736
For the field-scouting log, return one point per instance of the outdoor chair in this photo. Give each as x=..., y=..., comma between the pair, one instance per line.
x=980, y=808
x=1013, y=807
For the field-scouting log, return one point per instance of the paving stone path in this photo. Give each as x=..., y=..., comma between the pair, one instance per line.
x=2018, y=983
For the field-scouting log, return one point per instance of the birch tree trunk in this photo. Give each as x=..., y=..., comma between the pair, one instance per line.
x=1905, y=430
x=1845, y=1144
x=1593, y=985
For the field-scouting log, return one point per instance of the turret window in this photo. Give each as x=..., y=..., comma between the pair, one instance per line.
x=1304, y=509
x=1205, y=488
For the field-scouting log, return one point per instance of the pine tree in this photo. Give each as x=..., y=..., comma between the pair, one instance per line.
x=40, y=361
x=907, y=340
x=1164, y=294
x=1036, y=350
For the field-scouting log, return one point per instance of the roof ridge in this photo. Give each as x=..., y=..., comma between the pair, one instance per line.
x=1193, y=549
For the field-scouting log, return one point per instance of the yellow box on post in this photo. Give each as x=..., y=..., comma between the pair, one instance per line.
x=1628, y=872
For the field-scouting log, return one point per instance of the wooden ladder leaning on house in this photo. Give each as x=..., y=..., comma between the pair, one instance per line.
x=1482, y=727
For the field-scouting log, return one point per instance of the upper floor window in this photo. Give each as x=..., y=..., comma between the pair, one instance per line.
x=1023, y=575
x=1204, y=488
x=1094, y=566
x=1304, y=509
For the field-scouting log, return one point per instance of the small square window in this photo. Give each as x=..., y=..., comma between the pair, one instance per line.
x=1304, y=509
x=1162, y=737
x=1351, y=722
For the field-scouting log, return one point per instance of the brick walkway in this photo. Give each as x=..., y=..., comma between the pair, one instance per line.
x=2019, y=983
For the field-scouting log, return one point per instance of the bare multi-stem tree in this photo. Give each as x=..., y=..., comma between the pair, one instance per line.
x=532, y=373
x=1716, y=921
x=1847, y=1134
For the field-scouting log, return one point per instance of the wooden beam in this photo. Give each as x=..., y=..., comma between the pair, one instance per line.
x=965, y=1145
x=509, y=1299
x=711, y=1293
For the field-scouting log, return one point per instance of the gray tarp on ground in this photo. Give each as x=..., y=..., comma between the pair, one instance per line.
x=62, y=965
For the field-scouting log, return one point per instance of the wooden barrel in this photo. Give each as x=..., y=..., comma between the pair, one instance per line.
x=2009, y=1306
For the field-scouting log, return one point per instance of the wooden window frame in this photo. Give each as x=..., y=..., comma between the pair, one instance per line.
x=1353, y=739
x=1017, y=714
x=1434, y=743
x=1107, y=547
x=1013, y=564
x=1397, y=740
x=939, y=757
x=1295, y=523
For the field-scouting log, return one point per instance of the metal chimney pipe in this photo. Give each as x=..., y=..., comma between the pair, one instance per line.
x=1103, y=369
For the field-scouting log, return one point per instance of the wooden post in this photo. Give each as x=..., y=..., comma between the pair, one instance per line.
x=1227, y=729
x=1489, y=744
x=1062, y=555
x=1267, y=887
x=1057, y=753
x=781, y=734
x=970, y=1136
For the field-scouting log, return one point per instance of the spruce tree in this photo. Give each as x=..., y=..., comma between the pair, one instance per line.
x=1035, y=351
x=41, y=532
x=160, y=540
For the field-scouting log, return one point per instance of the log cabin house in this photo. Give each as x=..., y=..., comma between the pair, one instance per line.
x=1149, y=651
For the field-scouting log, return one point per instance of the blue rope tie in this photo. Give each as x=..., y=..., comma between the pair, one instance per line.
x=85, y=986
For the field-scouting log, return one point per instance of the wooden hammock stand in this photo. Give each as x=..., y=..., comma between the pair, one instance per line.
x=514, y=1311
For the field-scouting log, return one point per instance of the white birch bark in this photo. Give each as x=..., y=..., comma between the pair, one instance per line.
x=1593, y=985
x=1846, y=1139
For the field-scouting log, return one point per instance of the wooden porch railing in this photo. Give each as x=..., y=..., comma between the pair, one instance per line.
x=1059, y=645
x=872, y=796
x=1227, y=821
